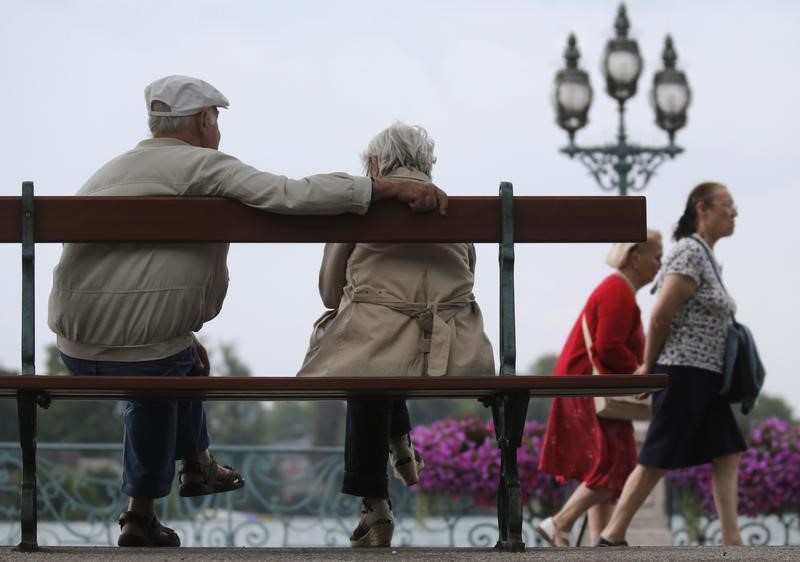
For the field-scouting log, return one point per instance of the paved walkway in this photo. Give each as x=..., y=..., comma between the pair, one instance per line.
x=654, y=554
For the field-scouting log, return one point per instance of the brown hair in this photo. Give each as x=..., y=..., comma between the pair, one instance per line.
x=687, y=224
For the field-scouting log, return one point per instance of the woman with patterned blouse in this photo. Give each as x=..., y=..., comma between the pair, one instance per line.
x=692, y=424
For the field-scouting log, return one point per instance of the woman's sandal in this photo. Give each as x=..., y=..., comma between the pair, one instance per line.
x=155, y=534
x=210, y=482
x=405, y=460
x=551, y=534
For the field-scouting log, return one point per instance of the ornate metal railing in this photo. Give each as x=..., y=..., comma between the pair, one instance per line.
x=291, y=499
x=690, y=526
x=777, y=529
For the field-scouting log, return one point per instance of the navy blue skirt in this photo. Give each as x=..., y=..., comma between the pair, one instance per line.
x=692, y=424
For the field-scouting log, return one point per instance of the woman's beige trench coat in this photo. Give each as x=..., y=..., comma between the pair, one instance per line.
x=398, y=310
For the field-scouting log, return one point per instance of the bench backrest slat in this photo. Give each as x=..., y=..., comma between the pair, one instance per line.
x=215, y=219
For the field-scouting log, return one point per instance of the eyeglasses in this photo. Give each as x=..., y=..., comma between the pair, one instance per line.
x=728, y=204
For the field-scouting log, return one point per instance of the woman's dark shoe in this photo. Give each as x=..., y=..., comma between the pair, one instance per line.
x=206, y=480
x=155, y=534
x=603, y=542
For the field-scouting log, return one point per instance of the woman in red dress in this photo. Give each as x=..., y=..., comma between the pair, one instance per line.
x=578, y=444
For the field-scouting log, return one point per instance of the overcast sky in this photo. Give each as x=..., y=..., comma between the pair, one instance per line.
x=311, y=82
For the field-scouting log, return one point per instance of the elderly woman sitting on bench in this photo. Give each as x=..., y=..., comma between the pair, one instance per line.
x=395, y=310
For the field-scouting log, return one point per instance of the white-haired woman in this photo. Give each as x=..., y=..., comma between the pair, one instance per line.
x=579, y=445
x=395, y=310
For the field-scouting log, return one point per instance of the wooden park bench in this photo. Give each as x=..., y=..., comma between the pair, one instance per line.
x=505, y=219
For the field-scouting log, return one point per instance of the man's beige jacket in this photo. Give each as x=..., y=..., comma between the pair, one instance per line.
x=140, y=302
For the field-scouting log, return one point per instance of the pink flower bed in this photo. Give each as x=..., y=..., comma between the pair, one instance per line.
x=462, y=459
x=769, y=476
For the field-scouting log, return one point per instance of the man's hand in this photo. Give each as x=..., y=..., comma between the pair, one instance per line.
x=420, y=196
x=201, y=367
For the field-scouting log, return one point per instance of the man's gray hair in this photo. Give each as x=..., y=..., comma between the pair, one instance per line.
x=401, y=145
x=165, y=126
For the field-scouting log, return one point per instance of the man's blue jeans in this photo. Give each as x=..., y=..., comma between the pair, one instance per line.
x=157, y=433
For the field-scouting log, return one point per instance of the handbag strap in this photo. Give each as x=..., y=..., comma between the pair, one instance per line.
x=714, y=267
x=711, y=259
x=587, y=338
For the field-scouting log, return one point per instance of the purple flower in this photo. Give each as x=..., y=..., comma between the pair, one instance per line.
x=769, y=474
x=464, y=460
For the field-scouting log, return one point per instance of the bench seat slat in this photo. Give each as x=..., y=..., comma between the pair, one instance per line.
x=325, y=388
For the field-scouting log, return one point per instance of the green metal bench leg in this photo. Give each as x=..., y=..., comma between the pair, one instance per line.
x=508, y=337
x=508, y=410
x=509, y=413
x=26, y=408
x=26, y=401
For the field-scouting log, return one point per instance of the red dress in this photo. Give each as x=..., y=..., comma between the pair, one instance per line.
x=579, y=445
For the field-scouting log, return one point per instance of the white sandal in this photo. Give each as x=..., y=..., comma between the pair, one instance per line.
x=549, y=532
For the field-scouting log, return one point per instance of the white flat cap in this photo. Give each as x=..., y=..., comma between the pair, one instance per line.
x=184, y=95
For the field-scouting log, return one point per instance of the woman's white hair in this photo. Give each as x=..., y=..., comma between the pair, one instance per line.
x=164, y=126
x=401, y=145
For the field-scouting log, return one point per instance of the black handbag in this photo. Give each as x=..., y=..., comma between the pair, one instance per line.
x=743, y=373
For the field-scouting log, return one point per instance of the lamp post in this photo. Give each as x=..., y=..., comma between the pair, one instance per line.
x=621, y=166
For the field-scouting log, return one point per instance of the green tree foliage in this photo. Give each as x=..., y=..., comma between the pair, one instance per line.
x=329, y=422
x=257, y=423
x=234, y=423
x=8, y=412
x=425, y=412
x=65, y=421
x=232, y=365
x=539, y=408
x=77, y=421
x=245, y=422
x=54, y=363
x=543, y=365
x=289, y=421
x=767, y=406
x=317, y=423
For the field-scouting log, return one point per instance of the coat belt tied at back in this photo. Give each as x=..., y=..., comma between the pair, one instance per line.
x=432, y=317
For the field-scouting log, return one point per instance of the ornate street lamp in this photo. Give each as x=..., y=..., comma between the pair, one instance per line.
x=671, y=95
x=621, y=166
x=622, y=63
x=572, y=94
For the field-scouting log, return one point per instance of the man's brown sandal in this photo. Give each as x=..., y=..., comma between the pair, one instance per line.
x=210, y=482
x=155, y=534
